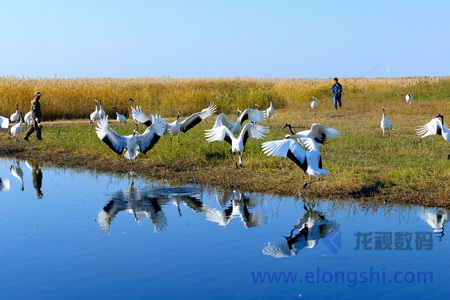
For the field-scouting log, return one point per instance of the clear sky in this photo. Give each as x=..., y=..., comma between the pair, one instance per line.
x=228, y=38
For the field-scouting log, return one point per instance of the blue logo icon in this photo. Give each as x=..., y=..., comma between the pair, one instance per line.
x=333, y=241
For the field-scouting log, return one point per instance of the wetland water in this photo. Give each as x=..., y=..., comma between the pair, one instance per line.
x=69, y=234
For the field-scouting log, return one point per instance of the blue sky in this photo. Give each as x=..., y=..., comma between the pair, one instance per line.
x=302, y=39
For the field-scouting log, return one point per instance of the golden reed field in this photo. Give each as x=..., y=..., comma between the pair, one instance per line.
x=73, y=98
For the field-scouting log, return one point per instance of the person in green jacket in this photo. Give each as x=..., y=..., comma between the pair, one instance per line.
x=36, y=118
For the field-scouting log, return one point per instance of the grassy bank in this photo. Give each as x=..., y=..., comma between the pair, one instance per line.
x=363, y=164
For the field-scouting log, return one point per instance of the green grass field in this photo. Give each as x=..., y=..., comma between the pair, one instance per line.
x=400, y=167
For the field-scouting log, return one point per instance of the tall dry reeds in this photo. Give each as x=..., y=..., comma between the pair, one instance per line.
x=73, y=98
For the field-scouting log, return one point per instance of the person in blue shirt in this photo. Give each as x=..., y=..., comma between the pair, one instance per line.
x=337, y=93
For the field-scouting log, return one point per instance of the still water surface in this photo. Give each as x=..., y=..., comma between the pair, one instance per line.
x=69, y=234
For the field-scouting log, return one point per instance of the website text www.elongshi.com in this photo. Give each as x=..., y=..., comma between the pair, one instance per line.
x=350, y=278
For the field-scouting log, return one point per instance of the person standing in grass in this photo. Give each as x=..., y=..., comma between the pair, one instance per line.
x=337, y=93
x=36, y=117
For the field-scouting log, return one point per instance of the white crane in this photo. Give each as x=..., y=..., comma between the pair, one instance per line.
x=222, y=133
x=4, y=122
x=386, y=125
x=15, y=116
x=134, y=111
x=16, y=129
x=314, y=105
x=17, y=172
x=120, y=118
x=101, y=111
x=270, y=112
x=27, y=118
x=408, y=98
x=95, y=116
x=317, y=132
x=253, y=115
x=131, y=143
x=176, y=127
x=309, y=161
x=435, y=127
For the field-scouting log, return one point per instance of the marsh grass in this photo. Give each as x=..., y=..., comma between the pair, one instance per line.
x=363, y=163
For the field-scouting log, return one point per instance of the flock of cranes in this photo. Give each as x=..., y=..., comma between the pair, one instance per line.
x=301, y=147
x=304, y=152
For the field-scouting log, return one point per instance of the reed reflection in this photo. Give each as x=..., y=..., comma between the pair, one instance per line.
x=310, y=228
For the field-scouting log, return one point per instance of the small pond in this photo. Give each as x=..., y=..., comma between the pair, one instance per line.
x=71, y=234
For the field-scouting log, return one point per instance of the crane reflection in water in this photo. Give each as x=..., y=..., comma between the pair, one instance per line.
x=236, y=205
x=310, y=228
x=149, y=203
x=436, y=217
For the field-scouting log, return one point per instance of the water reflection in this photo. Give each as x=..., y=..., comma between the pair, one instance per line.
x=17, y=172
x=150, y=203
x=436, y=218
x=311, y=227
x=236, y=205
x=36, y=177
x=4, y=184
x=143, y=203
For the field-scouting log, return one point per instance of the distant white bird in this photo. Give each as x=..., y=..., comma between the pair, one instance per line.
x=27, y=118
x=270, y=112
x=176, y=127
x=314, y=105
x=15, y=116
x=120, y=118
x=17, y=172
x=435, y=126
x=309, y=161
x=132, y=143
x=222, y=133
x=4, y=185
x=4, y=122
x=253, y=115
x=409, y=98
x=16, y=129
x=95, y=116
x=317, y=132
x=386, y=125
x=101, y=111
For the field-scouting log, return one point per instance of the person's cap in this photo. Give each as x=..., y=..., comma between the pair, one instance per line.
x=37, y=93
